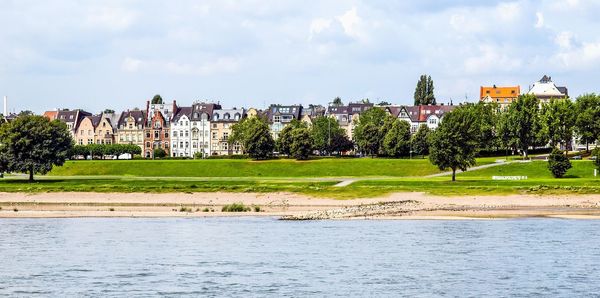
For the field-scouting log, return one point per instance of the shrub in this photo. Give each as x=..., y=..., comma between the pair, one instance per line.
x=16, y=210
x=558, y=163
x=111, y=209
x=185, y=209
x=596, y=153
x=160, y=153
x=205, y=209
x=235, y=207
x=256, y=208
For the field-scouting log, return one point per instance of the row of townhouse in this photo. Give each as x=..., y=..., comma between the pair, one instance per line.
x=544, y=89
x=204, y=128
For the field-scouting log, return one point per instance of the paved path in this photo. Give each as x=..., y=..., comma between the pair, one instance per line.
x=346, y=182
x=497, y=163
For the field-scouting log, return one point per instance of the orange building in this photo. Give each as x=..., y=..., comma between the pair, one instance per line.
x=503, y=96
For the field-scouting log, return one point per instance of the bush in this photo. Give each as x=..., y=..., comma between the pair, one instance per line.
x=256, y=208
x=160, y=153
x=235, y=207
x=111, y=209
x=558, y=163
x=185, y=209
x=596, y=153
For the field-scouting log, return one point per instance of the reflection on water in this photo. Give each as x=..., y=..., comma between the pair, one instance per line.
x=266, y=257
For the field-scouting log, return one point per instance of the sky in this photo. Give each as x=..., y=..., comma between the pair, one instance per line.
x=118, y=54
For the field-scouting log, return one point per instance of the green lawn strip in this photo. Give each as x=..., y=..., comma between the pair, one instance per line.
x=156, y=186
x=326, y=167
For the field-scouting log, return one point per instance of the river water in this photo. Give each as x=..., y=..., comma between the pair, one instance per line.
x=249, y=257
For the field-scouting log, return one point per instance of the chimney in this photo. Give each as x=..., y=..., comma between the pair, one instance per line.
x=5, y=105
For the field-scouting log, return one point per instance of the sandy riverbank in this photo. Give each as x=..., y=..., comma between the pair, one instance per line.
x=420, y=206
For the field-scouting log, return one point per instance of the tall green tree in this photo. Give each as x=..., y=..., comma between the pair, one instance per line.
x=327, y=135
x=424, y=91
x=396, y=142
x=284, y=141
x=524, y=123
x=558, y=122
x=587, y=121
x=369, y=140
x=34, y=144
x=337, y=102
x=157, y=99
x=301, y=146
x=420, y=140
x=488, y=120
x=558, y=163
x=454, y=143
x=254, y=135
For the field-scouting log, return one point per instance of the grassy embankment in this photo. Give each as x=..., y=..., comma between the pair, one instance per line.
x=376, y=177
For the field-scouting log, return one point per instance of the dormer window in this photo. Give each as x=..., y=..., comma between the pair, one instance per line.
x=226, y=116
x=216, y=117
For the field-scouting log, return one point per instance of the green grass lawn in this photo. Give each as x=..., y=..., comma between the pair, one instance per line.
x=326, y=167
x=378, y=177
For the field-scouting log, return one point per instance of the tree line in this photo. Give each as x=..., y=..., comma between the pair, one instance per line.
x=525, y=124
x=102, y=150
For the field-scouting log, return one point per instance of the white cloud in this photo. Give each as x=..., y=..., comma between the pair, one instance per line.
x=587, y=56
x=540, y=20
x=564, y=39
x=491, y=59
x=351, y=23
x=318, y=25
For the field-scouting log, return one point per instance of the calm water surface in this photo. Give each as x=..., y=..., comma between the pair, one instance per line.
x=264, y=257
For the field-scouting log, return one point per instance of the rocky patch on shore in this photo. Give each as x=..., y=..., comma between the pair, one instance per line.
x=368, y=210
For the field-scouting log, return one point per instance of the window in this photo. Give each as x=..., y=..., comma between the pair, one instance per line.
x=90, y=141
x=148, y=135
x=276, y=119
x=214, y=135
x=175, y=145
x=174, y=132
x=225, y=135
x=225, y=146
x=187, y=145
x=432, y=121
x=216, y=117
x=156, y=134
x=166, y=134
x=181, y=133
x=180, y=144
x=214, y=125
x=187, y=133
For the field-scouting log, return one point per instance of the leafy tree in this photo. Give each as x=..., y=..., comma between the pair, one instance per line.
x=109, y=111
x=300, y=146
x=374, y=119
x=160, y=153
x=424, y=91
x=587, y=121
x=157, y=99
x=25, y=113
x=254, y=136
x=340, y=143
x=337, y=102
x=365, y=101
x=327, y=135
x=420, y=140
x=558, y=163
x=558, y=122
x=284, y=141
x=384, y=103
x=370, y=142
x=488, y=118
x=524, y=123
x=454, y=142
x=34, y=144
x=396, y=142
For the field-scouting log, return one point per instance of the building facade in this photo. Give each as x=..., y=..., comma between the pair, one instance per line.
x=181, y=137
x=131, y=128
x=220, y=131
x=200, y=119
x=279, y=116
x=156, y=135
x=502, y=96
x=347, y=116
x=545, y=90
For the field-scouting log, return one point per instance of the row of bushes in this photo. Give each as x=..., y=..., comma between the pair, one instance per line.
x=102, y=150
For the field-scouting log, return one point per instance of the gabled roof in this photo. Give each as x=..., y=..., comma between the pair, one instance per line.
x=182, y=111
x=51, y=114
x=138, y=116
x=200, y=108
x=293, y=110
x=228, y=115
x=438, y=110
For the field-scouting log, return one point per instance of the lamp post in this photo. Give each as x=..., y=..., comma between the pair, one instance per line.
x=329, y=130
